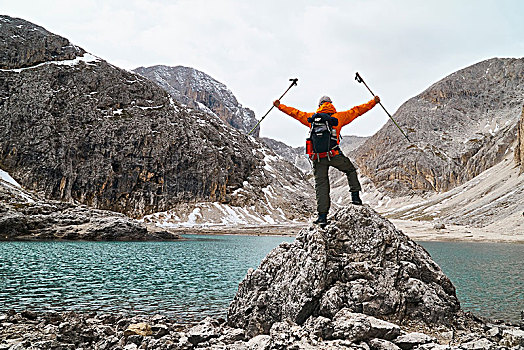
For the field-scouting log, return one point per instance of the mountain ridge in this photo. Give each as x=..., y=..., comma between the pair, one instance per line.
x=460, y=126
x=198, y=90
x=79, y=129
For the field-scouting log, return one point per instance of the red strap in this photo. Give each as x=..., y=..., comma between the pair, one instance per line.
x=331, y=153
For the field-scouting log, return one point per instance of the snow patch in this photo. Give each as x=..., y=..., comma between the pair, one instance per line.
x=7, y=178
x=11, y=183
x=86, y=58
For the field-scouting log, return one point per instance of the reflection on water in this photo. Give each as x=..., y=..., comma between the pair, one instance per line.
x=197, y=277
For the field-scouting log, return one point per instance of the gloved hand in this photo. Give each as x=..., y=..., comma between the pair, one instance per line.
x=276, y=103
x=377, y=99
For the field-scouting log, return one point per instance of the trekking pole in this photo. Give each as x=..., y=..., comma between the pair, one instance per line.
x=294, y=82
x=360, y=80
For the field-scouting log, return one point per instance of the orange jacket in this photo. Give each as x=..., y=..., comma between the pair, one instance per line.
x=344, y=118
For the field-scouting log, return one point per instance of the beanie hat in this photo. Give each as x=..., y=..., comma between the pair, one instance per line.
x=324, y=99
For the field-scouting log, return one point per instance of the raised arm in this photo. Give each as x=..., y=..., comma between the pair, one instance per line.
x=347, y=117
x=293, y=112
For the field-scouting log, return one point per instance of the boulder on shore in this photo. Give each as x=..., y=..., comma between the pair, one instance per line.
x=27, y=219
x=361, y=263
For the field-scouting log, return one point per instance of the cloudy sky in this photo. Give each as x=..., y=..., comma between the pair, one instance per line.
x=399, y=47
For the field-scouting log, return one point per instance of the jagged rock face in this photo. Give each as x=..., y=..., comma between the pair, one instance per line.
x=460, y=126
x=519, y=149
x=85, y=130
x=361, y=263
x=200, y=91
x=45, y=46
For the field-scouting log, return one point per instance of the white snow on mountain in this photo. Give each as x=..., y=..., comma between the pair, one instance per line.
x=7, y=178
x=13, y=188
x=270, y=207
x=86, y=58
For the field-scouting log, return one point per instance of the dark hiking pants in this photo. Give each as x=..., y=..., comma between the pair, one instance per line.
x=320, y=170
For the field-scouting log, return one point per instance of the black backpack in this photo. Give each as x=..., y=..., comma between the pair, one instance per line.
x=322, y=137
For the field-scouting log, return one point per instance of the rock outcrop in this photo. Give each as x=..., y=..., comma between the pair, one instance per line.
x=77, y=128
x=26, y=217
x=360, y=263
x=460, y=126
x=198, y=90
x=519, y=149
x=71, y=330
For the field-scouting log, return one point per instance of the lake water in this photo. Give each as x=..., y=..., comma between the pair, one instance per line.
x=197, y=277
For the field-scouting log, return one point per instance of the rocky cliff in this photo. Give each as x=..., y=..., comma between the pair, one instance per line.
x=460, y=126
x=198, y=90
x=519, y=148
x=74, y=127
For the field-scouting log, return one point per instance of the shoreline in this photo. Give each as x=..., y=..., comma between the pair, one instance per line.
x=423, y=231
x=269, y=230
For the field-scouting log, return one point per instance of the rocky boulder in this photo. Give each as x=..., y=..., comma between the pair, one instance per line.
x=360, y=263
x=54, y=220
x=26, y=216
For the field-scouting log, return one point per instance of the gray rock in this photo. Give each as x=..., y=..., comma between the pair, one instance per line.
x=360, y=262
x=435, y=346
x=259, y=342
x=159, y=330
x=493, y=332
x=231, y=335
x=202, y=332
x=513, y=338
x=480, y=344
x=381, y=344
x=54, y=220
x=359, y=327
x=519, y=148
x=439, y=226
x=412, y=340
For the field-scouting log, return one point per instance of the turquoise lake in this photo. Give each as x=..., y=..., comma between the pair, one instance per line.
x=199, y=276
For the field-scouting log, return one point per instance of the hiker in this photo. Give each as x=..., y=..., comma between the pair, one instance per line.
x=326, y=114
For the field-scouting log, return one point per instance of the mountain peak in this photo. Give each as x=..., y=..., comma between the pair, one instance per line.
x=459, y=127
x=200, y=91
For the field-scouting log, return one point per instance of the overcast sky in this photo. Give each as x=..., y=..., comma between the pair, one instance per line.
x=399, y=47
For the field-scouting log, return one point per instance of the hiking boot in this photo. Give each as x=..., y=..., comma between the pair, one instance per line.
x=321, y=220
x=355, y=198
